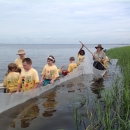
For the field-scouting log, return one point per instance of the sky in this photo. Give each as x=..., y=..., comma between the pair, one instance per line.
x=64, y=21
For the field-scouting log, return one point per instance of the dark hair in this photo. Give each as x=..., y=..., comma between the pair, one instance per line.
x=72, y=59
x=82, y=51
x=10, y=67
x=27, y=60
x=51, y=58
x=18, y=70
x=104, y=50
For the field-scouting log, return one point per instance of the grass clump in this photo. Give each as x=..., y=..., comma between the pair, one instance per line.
x=112, y=112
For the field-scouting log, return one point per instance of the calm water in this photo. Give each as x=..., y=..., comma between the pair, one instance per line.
x=52, y=110
x=39, y=53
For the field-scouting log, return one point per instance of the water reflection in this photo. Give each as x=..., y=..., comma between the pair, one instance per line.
x=12, y=125
x=49, y=104
x=26, y=116
x=48, y=113
x=97, y=87
x=32, y=114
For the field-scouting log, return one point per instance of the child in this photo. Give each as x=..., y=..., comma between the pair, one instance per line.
x=11, y=78
x=29, y=78
x=106, y=60
x=49, y=72
x=81, y=54
x=72, y=64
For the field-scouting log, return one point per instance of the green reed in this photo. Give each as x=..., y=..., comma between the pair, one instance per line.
x=112, y=112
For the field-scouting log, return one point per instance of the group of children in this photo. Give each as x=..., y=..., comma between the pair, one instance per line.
x=21, y=76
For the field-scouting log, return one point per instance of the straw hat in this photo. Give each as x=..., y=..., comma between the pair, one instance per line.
x=99, y=46
x=21, y=51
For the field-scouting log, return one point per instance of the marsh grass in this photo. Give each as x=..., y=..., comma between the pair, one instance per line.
x=112, y=112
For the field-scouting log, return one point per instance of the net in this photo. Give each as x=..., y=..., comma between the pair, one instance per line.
x=8, y=100
x=114, y=62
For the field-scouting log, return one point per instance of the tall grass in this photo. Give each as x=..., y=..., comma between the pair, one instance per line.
x=113, y=112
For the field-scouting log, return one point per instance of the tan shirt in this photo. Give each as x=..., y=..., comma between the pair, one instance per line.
x=18, y=62
x=100, y=55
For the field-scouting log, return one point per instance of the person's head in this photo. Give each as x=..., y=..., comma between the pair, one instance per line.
x=18, y=70
x=99, y=47
x=27, y=63
x=72, y=59
x=21, y=53
x=50, y=60
x=12, y=67
x=82, y=52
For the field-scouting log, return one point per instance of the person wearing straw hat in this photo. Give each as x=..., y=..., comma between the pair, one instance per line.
x=99, y=56
x=18, y=61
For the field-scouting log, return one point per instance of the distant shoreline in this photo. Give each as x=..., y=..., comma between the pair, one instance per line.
x=57, y=44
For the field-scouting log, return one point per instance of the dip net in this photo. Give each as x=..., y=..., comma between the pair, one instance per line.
x=8, y=100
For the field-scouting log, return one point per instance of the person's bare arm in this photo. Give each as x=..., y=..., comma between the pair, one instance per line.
x=18, y=88
x=41, y=80
x=36, y=85
x=52, y=81
x=81, y=48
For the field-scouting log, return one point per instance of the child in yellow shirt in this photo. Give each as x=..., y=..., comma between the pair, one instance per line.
x=49, y=72
x=11, y=78
x=105, y=62
x=81, y=55
x=29, y=78
x=72, y=64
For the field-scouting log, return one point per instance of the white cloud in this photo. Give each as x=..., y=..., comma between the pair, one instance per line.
x=52, y=21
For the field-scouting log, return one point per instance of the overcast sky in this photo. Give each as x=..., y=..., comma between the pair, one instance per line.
x=64, y=21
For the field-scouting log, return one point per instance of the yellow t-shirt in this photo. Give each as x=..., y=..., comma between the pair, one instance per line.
x=59, y=70
x=11, y=81
x=80, y=58
x=71, y=67
x=18, y=62
x=105, y=62
x=50, y=72
x=28, y=79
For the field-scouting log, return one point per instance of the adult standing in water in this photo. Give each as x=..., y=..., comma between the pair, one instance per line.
x=98, y=57
x=18, y=61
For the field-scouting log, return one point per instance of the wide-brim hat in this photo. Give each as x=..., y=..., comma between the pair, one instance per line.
x=99, y=46
x=21, y=51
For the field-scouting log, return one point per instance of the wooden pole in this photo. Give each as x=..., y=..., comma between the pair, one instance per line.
x=86, y=47
x=91, y=53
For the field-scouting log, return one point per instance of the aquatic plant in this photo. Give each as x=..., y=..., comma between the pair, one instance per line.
x=112, y=111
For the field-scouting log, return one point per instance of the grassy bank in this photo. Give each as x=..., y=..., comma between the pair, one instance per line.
x=112, y=112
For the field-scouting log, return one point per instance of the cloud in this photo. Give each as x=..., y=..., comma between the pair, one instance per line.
x=50, y=21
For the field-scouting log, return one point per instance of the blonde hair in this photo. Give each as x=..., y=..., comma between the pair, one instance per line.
x=10, y=67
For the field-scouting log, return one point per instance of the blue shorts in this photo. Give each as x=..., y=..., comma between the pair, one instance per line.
x=46, y=81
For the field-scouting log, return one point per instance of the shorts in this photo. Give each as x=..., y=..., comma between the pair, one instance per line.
x=46, y=81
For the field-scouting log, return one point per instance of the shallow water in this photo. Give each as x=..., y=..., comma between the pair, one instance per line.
x=53, y=110
x=38, y=53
